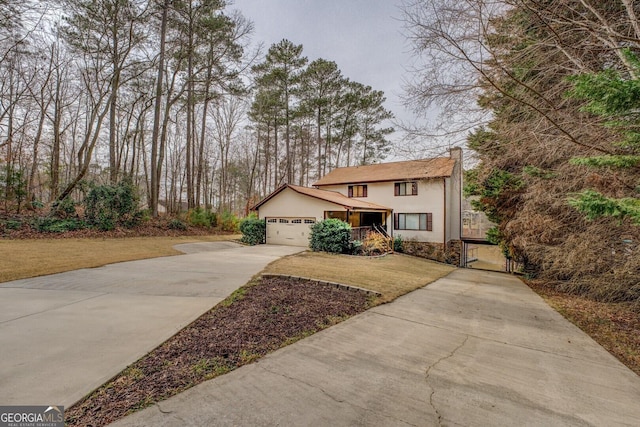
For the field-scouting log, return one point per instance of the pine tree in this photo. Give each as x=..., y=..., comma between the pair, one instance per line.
x=281, y=71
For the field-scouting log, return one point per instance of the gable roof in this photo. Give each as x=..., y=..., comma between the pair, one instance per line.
x=326, y=195
x=437, y=167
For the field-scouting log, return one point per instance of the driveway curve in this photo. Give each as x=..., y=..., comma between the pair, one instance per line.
x=63, y=335
x=471, y=349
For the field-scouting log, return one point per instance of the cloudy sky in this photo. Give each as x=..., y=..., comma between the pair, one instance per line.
x=363, y=37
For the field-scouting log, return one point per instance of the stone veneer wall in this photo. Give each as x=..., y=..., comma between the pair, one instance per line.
x=435, y=251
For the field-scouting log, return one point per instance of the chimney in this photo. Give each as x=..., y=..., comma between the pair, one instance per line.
x=456, y=154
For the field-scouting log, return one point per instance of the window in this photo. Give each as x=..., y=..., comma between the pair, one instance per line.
x=357, y=191
x=272, y=220
x=309, y=221
x=284, y=221
x=413, y=221
x=296, y=221
x=405, y=189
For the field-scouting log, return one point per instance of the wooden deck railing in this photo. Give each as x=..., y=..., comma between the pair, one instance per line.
x=359, y=233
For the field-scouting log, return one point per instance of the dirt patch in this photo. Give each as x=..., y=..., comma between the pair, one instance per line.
x=259, y=318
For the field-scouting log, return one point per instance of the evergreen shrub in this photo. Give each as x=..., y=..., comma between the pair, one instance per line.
x=108, y=206
x=253, y=230
x=228, y=222
x=331, y=235
x=200, y=217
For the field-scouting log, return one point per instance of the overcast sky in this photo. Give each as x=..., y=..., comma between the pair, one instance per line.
x=363, y=37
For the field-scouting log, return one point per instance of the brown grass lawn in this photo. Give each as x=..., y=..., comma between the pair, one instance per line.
x=29, y=258
x=391, y=275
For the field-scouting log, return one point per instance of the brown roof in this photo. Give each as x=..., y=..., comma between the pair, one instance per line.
x=396, y=171
x=329, y=196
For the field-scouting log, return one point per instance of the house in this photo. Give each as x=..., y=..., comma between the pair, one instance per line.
x=418, y=200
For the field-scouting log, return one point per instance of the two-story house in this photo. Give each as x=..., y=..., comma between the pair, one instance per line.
x=419, y=200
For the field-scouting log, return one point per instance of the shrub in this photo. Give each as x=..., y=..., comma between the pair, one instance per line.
x=58, y=225
x=397, y=244
x=176, y=224
x=331, y=235
x=375, y=244
x=12, y=224
x=200, y=217
x=112, y=205
x=65, y=208
x=228, y=222
x=13, y=186
x=145, y=215
x=37, y=204
x=253, y=230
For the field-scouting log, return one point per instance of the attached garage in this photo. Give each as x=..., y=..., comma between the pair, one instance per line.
x=289, y=231
x=291, y=210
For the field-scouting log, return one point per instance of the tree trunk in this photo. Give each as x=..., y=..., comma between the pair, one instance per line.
x=155, y=161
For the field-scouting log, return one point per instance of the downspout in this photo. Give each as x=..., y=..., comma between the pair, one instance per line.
x=265, y=228
x=444, y=231
x=459, y=195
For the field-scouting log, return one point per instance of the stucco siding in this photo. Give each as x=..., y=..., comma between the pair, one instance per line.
x=288, y=203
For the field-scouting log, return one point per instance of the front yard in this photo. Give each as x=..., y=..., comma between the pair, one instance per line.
x=211, y=346
x=259, y=318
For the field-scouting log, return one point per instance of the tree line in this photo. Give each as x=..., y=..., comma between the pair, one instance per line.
x=168, y=94
x=557, y=138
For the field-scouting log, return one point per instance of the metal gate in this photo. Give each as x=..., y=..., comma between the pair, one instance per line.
x=482, y=255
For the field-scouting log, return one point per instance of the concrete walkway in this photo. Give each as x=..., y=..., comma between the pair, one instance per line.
x=472, y=349
x=63, y=335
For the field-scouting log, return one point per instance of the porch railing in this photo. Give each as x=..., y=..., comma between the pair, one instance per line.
x=359, y=233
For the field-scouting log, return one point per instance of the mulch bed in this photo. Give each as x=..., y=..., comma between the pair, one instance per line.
x=257, y=319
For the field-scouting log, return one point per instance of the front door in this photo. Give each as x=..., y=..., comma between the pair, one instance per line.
x=369, y=219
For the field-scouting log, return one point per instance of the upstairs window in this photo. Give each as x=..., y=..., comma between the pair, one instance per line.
x=357, y=191
x=406, y=188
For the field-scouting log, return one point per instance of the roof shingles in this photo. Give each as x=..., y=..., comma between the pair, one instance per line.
x=337, y=198
x=329, y=196
x=438, y=167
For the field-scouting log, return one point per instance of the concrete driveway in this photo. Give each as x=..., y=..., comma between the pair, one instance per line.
x=472, y=349
x=63, y=335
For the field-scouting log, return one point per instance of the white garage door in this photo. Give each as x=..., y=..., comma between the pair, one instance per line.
x=289, y=231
